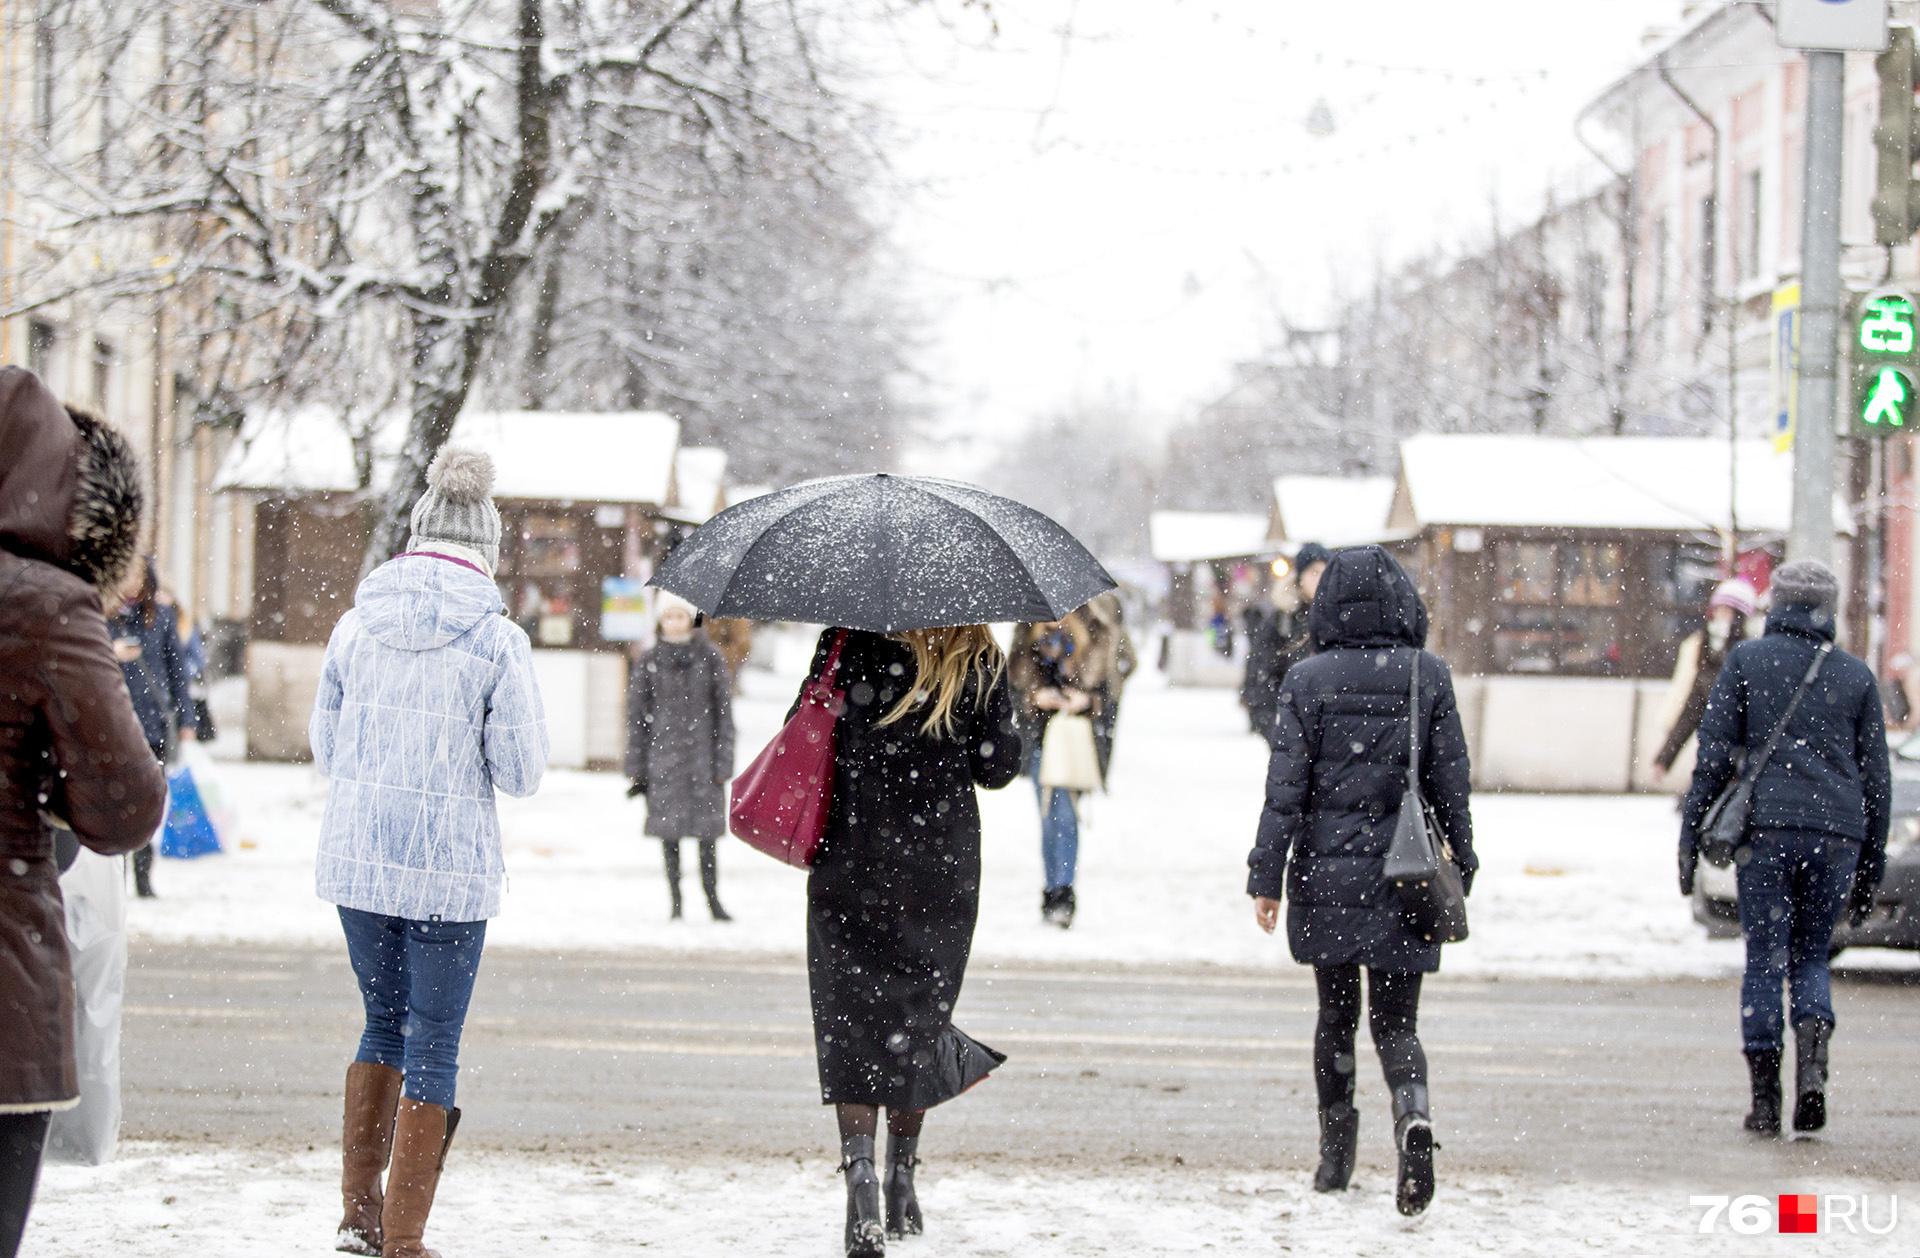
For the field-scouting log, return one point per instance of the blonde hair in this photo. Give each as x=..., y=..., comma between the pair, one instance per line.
x=944, y=662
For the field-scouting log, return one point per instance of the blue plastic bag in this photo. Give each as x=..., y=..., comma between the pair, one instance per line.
x=189, y=831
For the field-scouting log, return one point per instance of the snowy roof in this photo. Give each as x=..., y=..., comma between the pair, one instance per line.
x=1660, y=484
x=545, y=456
x=699, y=479
x=1192, y=536
x=1332, y=510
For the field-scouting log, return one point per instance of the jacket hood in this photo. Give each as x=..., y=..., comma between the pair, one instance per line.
x=416, y=603
x=1366, y=599
x=70, y=490
x=1805, y=622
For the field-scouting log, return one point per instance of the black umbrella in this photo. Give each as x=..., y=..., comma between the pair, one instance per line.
x=883, y=553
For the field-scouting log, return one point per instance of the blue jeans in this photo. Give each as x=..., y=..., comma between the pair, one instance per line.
x=416, y=979
x=1792, y=892
x=1059, y=829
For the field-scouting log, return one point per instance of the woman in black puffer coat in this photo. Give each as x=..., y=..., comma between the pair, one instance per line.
x=1334, y=786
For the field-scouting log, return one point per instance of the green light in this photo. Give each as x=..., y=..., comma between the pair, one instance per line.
x=1886, y=404
x=1886, y=326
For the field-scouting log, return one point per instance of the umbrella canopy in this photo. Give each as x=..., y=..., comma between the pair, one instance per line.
x=883, y=553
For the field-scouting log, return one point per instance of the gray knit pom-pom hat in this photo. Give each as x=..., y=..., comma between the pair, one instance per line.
x=458, y=505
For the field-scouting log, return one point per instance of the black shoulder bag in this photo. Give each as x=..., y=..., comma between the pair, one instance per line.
x=1419, y=866
x=1724, y=831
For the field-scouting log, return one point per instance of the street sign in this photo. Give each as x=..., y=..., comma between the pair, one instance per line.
x=1786, y=365
x=1886, y=356
x=1833, y=25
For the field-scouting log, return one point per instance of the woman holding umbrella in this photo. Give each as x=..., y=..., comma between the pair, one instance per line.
x=912, y=570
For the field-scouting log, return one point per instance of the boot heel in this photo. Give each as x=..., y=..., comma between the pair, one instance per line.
x=866, y=1235
x=903, y=1201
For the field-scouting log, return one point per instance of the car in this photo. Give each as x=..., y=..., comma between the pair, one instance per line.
x=1895, y=920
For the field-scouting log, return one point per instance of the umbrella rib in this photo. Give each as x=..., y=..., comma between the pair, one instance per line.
x=994, y=533
x=747, y=554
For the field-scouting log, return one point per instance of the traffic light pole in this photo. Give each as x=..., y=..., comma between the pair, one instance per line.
x=1820, y=302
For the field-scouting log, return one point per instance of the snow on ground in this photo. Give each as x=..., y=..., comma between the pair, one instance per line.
x=1570, y=886
x=156, y=1202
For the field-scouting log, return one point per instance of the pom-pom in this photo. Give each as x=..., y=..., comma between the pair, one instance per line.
x=462, y=475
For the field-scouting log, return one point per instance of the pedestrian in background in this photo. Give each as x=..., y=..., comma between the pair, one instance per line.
x=1335, y=784
x=1057, y=669
x=427, y=706
x=680, y=745
x=147, y=642
x=1109, y=642
x=1279, y=637
x=894, y=895
x=73, y=754
x=1816, y=842
x=1731, y=620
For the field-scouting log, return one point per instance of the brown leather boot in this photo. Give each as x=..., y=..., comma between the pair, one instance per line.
x=366, y=1140
x=421, y=1136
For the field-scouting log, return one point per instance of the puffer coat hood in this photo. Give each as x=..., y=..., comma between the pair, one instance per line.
x=419, y=603
x=70, y=748
x=69, y=485
x=1366, y=599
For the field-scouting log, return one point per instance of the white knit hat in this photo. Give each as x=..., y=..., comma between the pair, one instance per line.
x=458, y=506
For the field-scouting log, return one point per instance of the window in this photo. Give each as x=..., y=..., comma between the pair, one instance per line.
x=102, y=373
x=1659, y=245
x=1593, y=296
x=1558, y=607
x=40, y=340
x=1680, y=578
x=1751, y=208
x=44, y=50
x=1709, y=259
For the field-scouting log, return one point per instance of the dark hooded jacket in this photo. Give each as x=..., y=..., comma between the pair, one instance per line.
x=1829, y=773
x=70, y=747
x=1339, y=769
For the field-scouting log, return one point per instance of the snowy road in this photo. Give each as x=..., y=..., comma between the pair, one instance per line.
x=1165, y=1110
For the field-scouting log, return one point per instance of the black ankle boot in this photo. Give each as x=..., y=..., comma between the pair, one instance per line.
x=866, y=1237
x=1413, y=1136
x=903, y=1204
x=1763, y=1069
x=1339, y=1138
x=1810, y=1040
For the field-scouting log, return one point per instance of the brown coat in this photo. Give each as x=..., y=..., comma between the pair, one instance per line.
x=70, y=747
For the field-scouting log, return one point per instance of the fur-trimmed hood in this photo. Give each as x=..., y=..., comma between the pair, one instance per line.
x=70, y=490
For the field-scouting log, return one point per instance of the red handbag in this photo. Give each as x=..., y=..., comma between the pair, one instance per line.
x=780, y=803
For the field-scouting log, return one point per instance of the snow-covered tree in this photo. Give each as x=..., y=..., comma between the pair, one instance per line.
x=345, y=196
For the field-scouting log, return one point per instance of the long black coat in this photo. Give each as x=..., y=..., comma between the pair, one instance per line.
x=895, y=889
x=1276, y=641
x=680, y=737
x=1830, y=771
x=1339, y=769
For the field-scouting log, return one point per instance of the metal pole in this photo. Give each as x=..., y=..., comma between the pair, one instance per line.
x=1813, y=453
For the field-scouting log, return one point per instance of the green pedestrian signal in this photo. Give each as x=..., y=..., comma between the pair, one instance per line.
x=1886, y=363
x=1886, y=325
x=1888, y=401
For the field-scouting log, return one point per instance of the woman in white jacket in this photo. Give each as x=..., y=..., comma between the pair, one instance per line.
x=427, y=705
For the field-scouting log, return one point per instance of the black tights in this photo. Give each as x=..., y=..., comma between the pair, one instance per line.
x=1393, y=1012
x=709, y=869
x=864, y=1120
x=22, y=1139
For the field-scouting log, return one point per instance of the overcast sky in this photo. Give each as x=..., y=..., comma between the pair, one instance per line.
x=1116, y=196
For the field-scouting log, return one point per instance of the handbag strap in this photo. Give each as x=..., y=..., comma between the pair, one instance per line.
x=1773, y=740
x=1413, y=725
x=831, y=669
